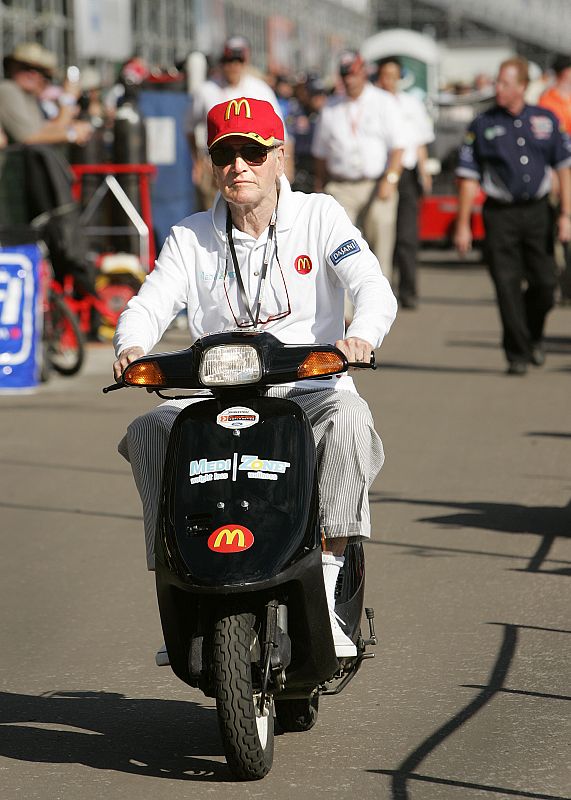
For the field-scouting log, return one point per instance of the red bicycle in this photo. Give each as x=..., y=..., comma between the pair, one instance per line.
x=63, y=340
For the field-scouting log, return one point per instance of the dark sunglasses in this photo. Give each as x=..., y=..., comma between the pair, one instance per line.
x=253, y=154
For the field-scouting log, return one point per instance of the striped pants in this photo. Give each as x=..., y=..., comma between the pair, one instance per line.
x=349, y=455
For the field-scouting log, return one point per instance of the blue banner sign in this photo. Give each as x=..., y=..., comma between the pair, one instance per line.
x=20, y=316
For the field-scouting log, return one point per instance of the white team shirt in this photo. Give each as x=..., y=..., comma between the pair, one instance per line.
x=210, y=93
x=354, y=137
x=319, y=251
x=417, y=127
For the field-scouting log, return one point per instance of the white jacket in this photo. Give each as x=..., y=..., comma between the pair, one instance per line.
x=313, y=232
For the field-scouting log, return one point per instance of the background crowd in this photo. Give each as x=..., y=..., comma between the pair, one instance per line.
x=355, y=135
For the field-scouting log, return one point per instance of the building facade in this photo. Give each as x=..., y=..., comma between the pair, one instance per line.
x=286, y=35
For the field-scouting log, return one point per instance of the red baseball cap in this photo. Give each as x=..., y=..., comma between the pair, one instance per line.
x=244, y=116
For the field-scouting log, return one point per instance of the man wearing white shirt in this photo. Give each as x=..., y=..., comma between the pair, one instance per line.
x=306, y=252
x=358, y=147
x=414, y=178
x=234, y=81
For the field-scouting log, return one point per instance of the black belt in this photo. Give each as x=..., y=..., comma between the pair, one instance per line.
x=492, y=202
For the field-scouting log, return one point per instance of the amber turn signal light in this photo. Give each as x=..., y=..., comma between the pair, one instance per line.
x=318, y=364
x=144, y=373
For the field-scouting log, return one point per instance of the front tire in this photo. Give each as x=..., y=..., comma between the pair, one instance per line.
x=247, y=734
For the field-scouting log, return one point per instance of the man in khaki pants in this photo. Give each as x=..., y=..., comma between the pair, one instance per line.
x=358, y=147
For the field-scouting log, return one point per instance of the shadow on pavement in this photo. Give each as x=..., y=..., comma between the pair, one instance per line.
x=547, y=522
x=558, y=344
x=15, y=462
x=78, y=511
x=456, y=301
x=551, y=434
x=554, y=345
x=402, y=366
x=406, y=771
x=159, y=738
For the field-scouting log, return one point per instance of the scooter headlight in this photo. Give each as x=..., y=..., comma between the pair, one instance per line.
x=233, y=364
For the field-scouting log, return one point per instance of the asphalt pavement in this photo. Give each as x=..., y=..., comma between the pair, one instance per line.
x=468, y=572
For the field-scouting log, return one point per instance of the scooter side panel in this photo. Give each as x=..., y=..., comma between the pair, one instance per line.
x=239, y=492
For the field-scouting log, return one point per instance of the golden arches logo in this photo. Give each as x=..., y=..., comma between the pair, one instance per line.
x=237, y=106
x=231, y=539
x=303, y=265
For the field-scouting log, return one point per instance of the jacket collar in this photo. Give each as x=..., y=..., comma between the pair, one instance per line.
x=286, y=210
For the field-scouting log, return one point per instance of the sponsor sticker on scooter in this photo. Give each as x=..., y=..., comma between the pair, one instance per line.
x=263, y=468
x=237, y=417
x=202, y=470
x=230, y=538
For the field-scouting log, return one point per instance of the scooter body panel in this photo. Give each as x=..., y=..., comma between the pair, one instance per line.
x=188, y=611
x=239, y=491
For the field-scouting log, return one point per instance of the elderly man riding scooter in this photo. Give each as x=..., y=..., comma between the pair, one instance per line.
x=268, y=259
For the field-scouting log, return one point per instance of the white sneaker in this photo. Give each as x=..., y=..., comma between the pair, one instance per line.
x=162, y=657
x=344, y=647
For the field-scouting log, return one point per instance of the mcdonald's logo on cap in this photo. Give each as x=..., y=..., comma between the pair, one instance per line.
x=303, y=265
x=237, y=106
x=230, y=539
x=244, y=116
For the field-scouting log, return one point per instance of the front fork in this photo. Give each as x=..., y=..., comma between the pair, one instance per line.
x=275, y=650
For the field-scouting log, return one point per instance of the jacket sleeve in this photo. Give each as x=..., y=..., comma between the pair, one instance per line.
x=353, y=266
x=163, y=294
x=469, y=165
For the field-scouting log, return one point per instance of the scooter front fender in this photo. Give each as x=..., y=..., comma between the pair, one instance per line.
x=189, y=611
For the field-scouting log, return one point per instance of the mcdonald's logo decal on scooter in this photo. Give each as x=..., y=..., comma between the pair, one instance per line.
x=230, y=539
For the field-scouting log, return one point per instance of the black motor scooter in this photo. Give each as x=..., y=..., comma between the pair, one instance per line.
x=238, y=544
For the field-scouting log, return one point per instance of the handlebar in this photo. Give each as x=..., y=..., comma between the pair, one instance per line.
x=113, y=387
x=371, y=364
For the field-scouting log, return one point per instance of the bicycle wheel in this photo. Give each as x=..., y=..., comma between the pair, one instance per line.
x=64, y=341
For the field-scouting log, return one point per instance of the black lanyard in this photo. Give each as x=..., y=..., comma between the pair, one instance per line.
x=265, y=265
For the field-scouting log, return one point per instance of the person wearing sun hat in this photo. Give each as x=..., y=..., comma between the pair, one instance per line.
x=235, y=80
x=305, y=251
x=29, y=70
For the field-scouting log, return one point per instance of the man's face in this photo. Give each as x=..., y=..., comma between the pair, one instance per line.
x=243, y=184
x=509, y=89
x=354, y=82
x=31, y=80
x=389, y=76
x=232, y=71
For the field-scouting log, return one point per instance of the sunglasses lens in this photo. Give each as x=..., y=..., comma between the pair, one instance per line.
x=252, y=154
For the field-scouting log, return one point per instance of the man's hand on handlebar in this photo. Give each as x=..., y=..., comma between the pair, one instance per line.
x=126, y=356
x=355, y=350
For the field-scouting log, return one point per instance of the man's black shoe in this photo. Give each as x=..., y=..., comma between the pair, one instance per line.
x=517, y=368
x=408, y=302
x=537, y=357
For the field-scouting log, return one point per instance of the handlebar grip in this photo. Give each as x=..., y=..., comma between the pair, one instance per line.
x=371, y=364
x=113, y=387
